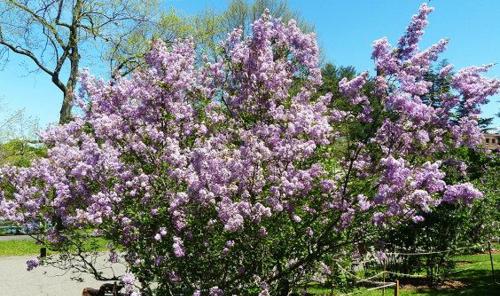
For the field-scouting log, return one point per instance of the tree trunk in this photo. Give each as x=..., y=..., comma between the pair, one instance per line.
x=283, y=287
x=74, y=59
x=65, y=112
x=67, y=104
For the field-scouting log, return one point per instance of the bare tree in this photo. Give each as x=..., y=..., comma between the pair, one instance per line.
x=210, y=28
x=127, y=52
x=18, y=136
x=242, y=13
x=53, y=34
x=16, y=124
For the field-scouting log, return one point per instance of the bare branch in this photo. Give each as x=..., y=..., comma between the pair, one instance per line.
x=59, y=12
x=25, y=52
x=40, y=19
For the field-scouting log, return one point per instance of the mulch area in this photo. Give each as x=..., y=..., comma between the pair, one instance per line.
x=445, y=285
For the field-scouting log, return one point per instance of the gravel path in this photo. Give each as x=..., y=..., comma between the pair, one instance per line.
x=15, y=280
x=14, y=237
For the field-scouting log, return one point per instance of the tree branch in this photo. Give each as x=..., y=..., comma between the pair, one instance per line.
x=25, y=52
x=40, y=19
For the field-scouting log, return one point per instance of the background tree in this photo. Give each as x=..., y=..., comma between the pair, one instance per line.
x=212, y=28
x=18, y=137
x=127, y=52
x=242, y=14
x=15, y=124
x=56, y=35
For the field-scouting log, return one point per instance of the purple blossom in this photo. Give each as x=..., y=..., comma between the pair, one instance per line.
x=216, y=291
x=417, y=219
x=408, y=44
x=32, y=263
x=113, y=257
x=178, y=247
x=381, y=257
x=128, y=279
x=461, y=192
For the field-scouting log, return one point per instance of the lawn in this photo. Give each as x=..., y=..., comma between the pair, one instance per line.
x=471, y=277
x=19, y=248
x=27, y=246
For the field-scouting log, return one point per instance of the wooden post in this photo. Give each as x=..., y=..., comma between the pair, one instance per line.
x=383, y=289
x=43, y=252
x=396, y=288
x=491, y=261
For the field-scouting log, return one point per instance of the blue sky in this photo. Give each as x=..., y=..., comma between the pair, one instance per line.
x=345, y=31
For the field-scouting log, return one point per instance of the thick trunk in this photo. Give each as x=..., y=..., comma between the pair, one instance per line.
x=283, y=287
x=65, y=112
x=74, y=59
x=67, y=104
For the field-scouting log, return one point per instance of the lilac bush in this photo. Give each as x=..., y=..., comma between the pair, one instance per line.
x=221, y=177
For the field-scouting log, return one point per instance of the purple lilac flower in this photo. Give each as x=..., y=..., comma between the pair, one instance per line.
x=32, y=263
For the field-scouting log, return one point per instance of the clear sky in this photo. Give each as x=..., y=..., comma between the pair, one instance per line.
x=345, y=31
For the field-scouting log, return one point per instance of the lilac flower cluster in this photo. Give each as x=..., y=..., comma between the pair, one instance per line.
x=407, y=66
x=32, y=263
x=198, y=170
x=407, y=186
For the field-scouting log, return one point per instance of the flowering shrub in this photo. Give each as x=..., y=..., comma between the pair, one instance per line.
x=223, y=177
x=450, y=229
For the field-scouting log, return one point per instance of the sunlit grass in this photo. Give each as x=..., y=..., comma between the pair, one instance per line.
x=472, y=273
x=26, y=247
x=19, y=248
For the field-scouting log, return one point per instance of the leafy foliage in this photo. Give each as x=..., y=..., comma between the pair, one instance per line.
x=20, y=153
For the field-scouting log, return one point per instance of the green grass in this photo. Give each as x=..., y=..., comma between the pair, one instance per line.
x=19, y=248
x=29, y=247
x=471, y=277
